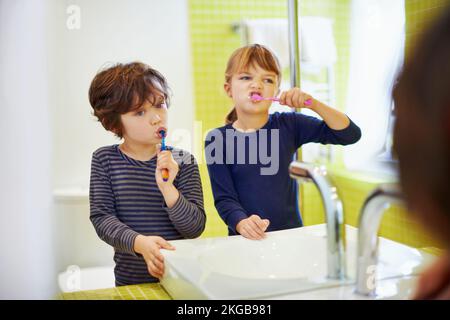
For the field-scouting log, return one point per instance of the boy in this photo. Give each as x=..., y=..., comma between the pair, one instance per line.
x=131, y=207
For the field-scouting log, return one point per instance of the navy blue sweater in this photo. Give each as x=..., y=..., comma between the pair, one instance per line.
x=249, y=171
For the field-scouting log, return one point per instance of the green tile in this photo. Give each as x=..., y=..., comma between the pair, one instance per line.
x=212, y=41
x=149, y=291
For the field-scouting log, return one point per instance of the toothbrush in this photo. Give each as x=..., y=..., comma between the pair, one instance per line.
x=257, y=97
x=164, y=172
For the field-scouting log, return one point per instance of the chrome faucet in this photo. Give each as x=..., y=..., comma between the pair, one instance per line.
x=369, y=223
x=334, y=214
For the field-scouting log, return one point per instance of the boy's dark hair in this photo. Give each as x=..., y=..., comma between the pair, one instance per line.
x=123, y=88
x=422, y=128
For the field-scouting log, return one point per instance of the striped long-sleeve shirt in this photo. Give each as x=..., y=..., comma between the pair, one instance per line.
x=125, y=201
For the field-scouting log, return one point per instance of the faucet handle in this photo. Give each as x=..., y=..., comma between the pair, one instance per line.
x=305, y=171
x=391, y=190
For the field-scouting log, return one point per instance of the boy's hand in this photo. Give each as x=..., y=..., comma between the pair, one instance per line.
x=295, y=98
x=253, y=227
x=148, y=247
x=165, y=161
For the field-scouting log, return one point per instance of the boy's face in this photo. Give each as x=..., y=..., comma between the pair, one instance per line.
x=254, y=80
x=142, y=126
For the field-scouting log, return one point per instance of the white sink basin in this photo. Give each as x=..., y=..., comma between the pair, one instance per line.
x=274, y=258
x=286, y=262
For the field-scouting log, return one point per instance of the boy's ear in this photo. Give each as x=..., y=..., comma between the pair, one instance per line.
x=227, y=88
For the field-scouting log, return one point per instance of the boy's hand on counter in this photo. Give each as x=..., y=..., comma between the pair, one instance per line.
x=253, y=227
x=295, y=98
x=148, y=247
x=165, y=161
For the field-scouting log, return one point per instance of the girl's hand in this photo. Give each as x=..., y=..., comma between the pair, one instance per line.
x=148, y=247
x=295, y=98
x=253, y=227
x=165, y=161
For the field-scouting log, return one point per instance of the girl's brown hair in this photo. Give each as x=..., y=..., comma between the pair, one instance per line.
x=242, y=58
x=123, y=88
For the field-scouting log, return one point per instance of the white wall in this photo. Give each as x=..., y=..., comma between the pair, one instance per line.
x=152, y=31
x=48, y=133
x=27, y=262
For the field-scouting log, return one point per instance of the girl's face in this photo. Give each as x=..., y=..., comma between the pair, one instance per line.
x=142, y=126
x=254, y=80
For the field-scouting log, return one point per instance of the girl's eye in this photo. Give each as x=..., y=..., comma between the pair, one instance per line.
x=244, y=78
x=140, y=113
x=269, y=80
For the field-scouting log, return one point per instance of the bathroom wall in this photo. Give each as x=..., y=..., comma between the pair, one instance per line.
x=50, y=51
x=419, y=13
x=354, y=187
x=212, y=41
x=339, y=13
x=151, y=31
x=27, y=261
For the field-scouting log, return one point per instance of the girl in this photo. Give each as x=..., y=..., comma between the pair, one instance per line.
x=252, y=190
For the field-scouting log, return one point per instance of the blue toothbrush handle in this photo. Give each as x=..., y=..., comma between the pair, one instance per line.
x=164, y=172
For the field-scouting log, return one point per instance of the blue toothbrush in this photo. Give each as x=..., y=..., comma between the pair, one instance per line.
x=164, y=172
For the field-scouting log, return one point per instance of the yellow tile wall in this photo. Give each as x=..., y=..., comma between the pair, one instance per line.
x=353, y=188
x=419, y=13
x=212, y=42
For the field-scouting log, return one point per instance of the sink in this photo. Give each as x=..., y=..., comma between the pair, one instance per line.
x=286, y=262
x=274, y=257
